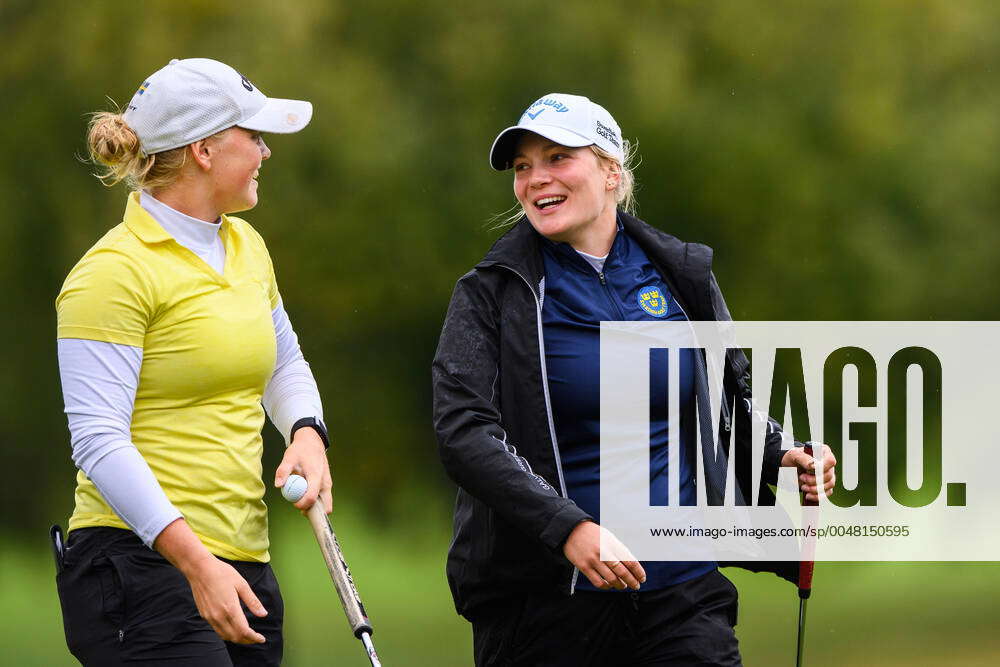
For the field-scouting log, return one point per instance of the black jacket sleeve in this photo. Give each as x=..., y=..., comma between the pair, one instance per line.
x=738, y=368
x=472, y=442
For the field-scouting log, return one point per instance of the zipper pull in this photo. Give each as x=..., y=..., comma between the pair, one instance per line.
x=121, y=636
x=601, y=276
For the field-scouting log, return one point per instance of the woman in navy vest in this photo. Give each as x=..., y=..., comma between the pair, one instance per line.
x=517, y=413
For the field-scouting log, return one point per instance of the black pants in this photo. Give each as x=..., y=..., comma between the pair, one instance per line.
x=123, y=603
x=690, y=623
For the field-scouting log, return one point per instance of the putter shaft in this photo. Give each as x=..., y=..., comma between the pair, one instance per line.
x=370, y=648
x=802, y=631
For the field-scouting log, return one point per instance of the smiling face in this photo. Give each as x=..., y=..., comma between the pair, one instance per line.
x=567, y=193
x=235, y=167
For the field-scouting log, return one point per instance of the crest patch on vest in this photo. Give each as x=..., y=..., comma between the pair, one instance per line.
x=653, y=301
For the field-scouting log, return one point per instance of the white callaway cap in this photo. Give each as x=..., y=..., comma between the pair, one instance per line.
x=570, y=120
x=194, y=98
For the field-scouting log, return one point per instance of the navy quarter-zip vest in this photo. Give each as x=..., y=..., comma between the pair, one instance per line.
x=576, y=299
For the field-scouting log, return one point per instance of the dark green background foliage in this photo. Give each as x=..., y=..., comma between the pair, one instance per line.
x=841, y=157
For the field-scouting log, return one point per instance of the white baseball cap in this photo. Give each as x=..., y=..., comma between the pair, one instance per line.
x=569, y=120
x=194, y=98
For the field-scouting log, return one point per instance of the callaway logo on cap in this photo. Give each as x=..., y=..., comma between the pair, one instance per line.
x=570, y=120
x=194, y=98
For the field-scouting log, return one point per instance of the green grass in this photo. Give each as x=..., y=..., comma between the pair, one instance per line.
x=884, y=614
x=400, y=579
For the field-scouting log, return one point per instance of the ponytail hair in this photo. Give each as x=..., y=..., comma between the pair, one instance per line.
x=115, y=146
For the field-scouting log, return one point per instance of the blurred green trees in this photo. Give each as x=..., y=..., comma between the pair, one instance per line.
x=840, y=156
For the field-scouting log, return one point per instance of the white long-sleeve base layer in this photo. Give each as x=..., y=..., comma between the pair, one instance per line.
x=100, y=380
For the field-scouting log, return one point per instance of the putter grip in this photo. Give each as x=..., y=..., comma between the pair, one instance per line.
x=809, y=503
x=339, y=572
x=805, y=578
x=806, y=566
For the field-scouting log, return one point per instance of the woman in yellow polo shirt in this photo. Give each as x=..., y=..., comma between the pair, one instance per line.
x=171, y=336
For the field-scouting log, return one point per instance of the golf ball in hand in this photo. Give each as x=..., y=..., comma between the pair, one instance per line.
x=294, y=488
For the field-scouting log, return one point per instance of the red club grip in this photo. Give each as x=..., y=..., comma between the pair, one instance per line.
x=805, y=578
x=806, y=566
x=809, y=503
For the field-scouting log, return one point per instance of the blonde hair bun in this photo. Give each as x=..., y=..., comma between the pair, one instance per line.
x=115, y=146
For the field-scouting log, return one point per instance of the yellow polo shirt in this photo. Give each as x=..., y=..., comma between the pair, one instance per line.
x=208, y=351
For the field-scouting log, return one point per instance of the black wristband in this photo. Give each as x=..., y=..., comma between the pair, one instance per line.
x=315, y=424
